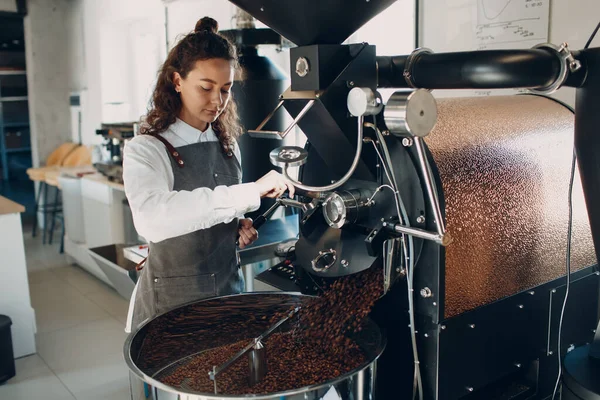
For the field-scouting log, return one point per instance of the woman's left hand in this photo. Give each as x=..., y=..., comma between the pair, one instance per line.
x=247, y=234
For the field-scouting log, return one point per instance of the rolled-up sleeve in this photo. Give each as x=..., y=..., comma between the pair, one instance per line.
x=159, y=212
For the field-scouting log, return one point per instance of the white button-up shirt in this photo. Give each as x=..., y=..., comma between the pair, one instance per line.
x=161, y=213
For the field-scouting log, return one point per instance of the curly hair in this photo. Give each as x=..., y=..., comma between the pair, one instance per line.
x=203, y=44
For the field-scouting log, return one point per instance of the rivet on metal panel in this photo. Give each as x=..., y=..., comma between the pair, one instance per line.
x=472, y=326
x=531, y=292
x=469, y=388
x=420, y=219
x=518, y=365
x=520, y=306
x=443, y=327
x=407, y=142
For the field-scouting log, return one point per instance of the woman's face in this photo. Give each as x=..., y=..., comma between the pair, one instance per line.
x=205, y=91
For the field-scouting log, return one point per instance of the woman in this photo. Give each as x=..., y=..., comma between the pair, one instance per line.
x=183, y=179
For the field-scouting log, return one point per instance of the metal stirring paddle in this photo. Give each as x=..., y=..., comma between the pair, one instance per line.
x=257, y=361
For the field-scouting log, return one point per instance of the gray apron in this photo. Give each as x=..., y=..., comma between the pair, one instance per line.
x=199, y=264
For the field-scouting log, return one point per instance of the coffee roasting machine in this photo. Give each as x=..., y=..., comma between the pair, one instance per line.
x=463, y=202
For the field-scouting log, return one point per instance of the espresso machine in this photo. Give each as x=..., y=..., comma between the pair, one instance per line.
x=479, y=211
x=114, y=138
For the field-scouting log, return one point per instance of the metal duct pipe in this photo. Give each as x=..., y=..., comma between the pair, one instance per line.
x=486, y=69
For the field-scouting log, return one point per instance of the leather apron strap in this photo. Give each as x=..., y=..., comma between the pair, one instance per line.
x=172, y=151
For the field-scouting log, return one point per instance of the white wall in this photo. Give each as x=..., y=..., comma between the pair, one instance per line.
x=115, y=47
x=112, y=71
x=183, y=15
x=392, y=32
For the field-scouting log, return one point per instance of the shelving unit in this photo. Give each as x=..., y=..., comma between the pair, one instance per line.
x=15, y=138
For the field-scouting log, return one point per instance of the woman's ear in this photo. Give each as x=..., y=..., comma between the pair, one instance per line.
x=177, y=81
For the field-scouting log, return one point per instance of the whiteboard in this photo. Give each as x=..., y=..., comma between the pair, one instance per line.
x=462, y=25
x=466, y=25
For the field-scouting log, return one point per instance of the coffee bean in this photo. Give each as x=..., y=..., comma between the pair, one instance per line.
x=316, y=347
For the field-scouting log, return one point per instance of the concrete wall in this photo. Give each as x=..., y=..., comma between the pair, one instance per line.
x=8, y=5
x=48, y=74
x=84, y=46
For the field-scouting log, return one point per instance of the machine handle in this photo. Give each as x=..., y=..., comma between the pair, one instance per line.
x=258, y=222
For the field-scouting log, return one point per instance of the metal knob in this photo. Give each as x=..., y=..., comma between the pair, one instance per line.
x=412, y=113
x=364, y=101
x=292, y=156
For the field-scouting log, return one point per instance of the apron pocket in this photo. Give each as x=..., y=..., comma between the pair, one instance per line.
x=176, y=291
x=223, y=179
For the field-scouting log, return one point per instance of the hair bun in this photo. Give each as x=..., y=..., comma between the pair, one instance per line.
x=207, y=24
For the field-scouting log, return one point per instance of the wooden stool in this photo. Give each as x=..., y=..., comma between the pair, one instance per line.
x=54, y=161
x=79, y=157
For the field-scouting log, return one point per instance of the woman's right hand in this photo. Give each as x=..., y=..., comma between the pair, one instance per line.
x=273, y=185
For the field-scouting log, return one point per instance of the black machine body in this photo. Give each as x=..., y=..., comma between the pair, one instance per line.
x=462, y=217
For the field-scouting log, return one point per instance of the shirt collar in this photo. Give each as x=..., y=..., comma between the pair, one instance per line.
x=190, y=134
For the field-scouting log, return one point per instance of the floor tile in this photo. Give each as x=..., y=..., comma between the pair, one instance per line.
x=34, y=380
x=81, y=280
x=111, y=302
x=41, y=275
x=58, y=305
x=88, y=358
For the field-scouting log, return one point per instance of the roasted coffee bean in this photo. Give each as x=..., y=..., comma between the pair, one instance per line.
x=316, y=346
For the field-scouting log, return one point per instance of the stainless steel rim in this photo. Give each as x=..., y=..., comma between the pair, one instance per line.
x=159, y=385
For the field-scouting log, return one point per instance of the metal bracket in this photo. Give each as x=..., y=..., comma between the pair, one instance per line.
x=567, y=63
x=410, y=62
x=259, y=133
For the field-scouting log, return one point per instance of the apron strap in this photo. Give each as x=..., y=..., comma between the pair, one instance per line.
x=172, y=151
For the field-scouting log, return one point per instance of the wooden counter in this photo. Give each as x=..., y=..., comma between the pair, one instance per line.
x=10, y=207
x=98, y=177
x=51, y=176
